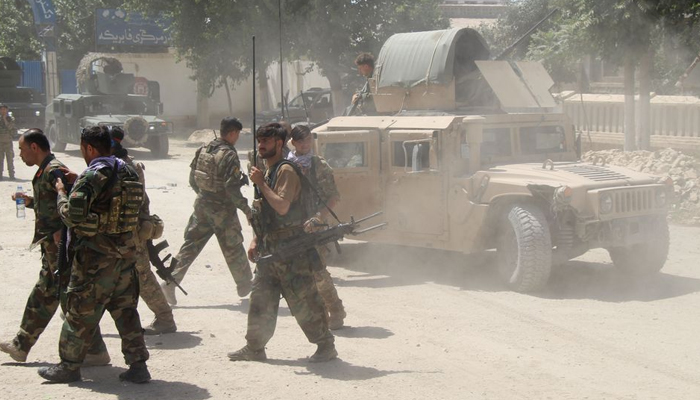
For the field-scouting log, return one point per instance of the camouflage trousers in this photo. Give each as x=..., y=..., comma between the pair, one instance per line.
x=149, y=288
x=324, y=283
x=43, y=302
x=100, y=283
x=225, y=225
x=295, y=282
x=7, y=154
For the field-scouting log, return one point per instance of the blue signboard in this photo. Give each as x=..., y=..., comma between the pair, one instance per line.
x=44, y=12
x=118, y=27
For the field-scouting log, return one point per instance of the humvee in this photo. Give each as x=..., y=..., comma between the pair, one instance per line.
x=24, y=103
x=469, y=155
x=107, y=97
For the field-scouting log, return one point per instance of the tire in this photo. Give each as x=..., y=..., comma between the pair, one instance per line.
x=159, y=146
x=644, y=258
x=524, y=249
x=56, y=145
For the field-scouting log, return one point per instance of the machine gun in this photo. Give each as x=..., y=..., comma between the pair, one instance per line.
x=165, y=273
x=302, y=243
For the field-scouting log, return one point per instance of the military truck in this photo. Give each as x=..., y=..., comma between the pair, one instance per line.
x=469, y=154
x=314, y=104
x=109, y=97
x=24, y=103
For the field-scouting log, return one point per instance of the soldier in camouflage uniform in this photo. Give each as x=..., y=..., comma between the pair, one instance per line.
x=320, y=176
x=7, y=131
x=43, y=301
x=149, y=289
x=102, y=208
x=280, y=214
x=216, y=177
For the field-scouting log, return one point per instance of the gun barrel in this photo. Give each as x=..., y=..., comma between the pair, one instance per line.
x=368, y=217
x=371, y=228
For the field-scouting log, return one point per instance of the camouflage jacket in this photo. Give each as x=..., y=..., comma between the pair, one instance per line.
x=90, y=195
x=320, y=175
x=7, y=129
x=43, y=200
x=231, y=176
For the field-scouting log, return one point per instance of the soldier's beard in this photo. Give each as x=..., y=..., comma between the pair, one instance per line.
x=268, y=153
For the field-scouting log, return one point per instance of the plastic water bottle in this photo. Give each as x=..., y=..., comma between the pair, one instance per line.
x=19, y=199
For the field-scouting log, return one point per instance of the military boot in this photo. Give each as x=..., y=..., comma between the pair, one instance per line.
x=337, y=315
x=325, y=352
x=161, y=324
x=244, y=288
x=137, y=373
x=12, y=348
x=169, y=293
x=97, y=359
x=248, y=354
x=60, y=373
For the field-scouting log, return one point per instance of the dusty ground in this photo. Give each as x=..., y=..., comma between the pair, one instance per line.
x=421, y=324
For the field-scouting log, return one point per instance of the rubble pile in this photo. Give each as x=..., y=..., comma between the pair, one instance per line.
x=682, y=168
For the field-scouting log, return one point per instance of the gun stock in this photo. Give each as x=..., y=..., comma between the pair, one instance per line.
x=164, y=272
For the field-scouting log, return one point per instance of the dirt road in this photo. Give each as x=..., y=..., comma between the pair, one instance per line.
x=421, y=324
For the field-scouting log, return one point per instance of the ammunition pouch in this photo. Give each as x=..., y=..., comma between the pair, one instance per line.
x=123, y=213
x=151, y=228
x=89, y=227
x=206, y=174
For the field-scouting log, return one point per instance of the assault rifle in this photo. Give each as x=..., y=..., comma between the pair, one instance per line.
x=302, y=243
x=62, y=264
x=165, y=273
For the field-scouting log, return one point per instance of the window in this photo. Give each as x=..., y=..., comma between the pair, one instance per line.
x=413, y=154
x=57, y=106
x=67, y=108
x=542, y=140
x=496, y=142
x=345, y=155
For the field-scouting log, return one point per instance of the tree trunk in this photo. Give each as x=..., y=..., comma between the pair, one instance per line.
x=228, y=96
x=337, y=95
x=630, y=133
x=644, y=126
x=202, y=107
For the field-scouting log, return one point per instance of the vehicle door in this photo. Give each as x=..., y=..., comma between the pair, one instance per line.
x=415, y=189
x=322, y=108
x=355, y=158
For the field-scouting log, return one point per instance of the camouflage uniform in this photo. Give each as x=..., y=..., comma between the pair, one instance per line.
x=7, y=131
x=149, y=288
x=293, y=279
x=215, y=213
x=43, y=300
x=103, y=277
x=320, y=175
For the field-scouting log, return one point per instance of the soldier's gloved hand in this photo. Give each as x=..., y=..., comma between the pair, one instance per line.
x=314, y=224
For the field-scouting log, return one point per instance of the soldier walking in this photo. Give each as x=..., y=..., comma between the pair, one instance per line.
x=216, y=177
x=34, y=149
x=283, y=210
x=149, y=226
x=320, y=176
x=102, y=209
x=7, y=131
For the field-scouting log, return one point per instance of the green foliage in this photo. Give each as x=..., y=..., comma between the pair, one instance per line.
x=19, y=40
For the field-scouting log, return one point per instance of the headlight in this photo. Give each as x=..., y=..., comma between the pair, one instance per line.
x=37, y=113
x=151, y=128
x=606, y=203
x=661, y=198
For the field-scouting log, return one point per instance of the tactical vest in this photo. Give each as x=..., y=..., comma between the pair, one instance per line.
x=206, y=173
x=299, y=211
x=116, y=210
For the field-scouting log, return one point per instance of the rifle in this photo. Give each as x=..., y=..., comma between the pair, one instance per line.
x=302, y=243
x=351, y=110
x=165, y=273
x=62, y=265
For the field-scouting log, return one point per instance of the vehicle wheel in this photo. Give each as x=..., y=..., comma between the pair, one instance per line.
x=644, y=258
x=158, y=145
x=524, y=249
x=56, y=145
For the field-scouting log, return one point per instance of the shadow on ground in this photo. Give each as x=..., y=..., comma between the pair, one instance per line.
x=380, y=266
x=336, y=369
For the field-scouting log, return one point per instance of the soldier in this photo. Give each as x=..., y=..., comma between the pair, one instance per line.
x=216, y=177
x=43, y=301
x=149, y=290
x=320, y=176
x=362, y=102
x=102, y=209
x=280, y=214
x=7, y=132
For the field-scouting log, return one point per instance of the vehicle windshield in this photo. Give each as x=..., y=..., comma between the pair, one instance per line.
x=116, y=105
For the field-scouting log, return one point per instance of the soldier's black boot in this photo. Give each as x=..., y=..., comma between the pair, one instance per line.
x=326, y=351
x=60, y=373
x=137, y=373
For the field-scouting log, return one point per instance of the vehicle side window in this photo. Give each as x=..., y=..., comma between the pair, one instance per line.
x=542, y=139
x=324, y=101
x=496, y=142
x=345, y=155
x=57, y=107
x=68, y=108
x=413, y=154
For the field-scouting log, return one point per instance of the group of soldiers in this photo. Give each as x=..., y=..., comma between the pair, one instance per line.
x=93, y=230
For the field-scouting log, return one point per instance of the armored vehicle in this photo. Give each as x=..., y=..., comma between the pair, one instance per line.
x=314, y=105
x=469, y=154
x=25, y=103
x=108, y=97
